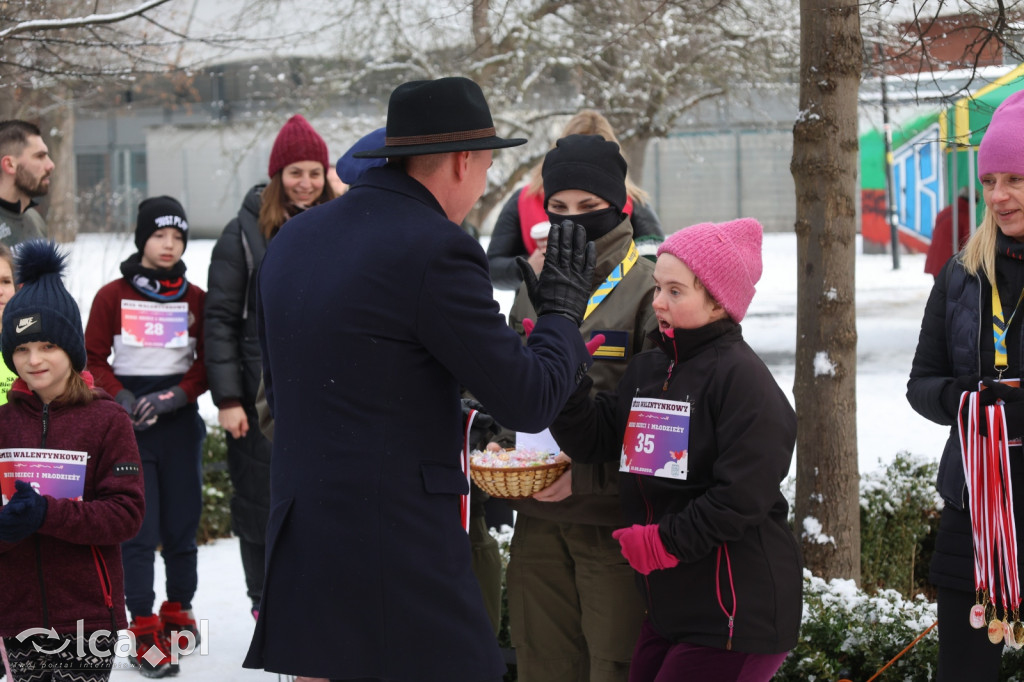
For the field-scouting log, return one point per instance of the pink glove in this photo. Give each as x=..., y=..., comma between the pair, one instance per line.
x=592, y=345
x=643, y=548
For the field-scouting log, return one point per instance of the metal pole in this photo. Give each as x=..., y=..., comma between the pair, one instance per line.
x=894, y=233
x=954, y=196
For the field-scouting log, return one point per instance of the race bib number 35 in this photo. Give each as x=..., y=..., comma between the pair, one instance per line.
x=657, y=438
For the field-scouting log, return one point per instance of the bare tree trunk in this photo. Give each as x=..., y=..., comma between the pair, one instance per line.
x=635, y=150
x=824, y=169
x=62, y=216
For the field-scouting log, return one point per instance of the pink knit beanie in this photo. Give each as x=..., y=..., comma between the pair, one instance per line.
x=1002, y=148
x=726, y=257
x=296, y=142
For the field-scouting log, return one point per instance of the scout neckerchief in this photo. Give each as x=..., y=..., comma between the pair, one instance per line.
x=613, y=279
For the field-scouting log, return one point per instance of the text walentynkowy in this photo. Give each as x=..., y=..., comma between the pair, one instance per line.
x=58, y=473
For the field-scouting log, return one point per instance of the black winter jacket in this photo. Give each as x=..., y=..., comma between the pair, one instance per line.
x=742, y=434
x=232, y=347
x=954, y=342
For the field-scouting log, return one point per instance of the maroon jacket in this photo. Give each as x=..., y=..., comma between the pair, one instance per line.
x=53, y=578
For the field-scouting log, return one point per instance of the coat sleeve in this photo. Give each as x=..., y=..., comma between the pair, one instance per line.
x=932, y=368
x=587, y=428
x=225, y=306
x=755, y=433
x=104, y=322
x=506, y=244
x=194, y=382
x=115, y=514
x=458, y=321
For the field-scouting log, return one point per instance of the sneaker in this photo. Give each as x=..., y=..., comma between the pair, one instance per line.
x=176, y=621
x=151, y=648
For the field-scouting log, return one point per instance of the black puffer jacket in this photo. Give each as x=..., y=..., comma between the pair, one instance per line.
x=742, y=434
x=232, y=347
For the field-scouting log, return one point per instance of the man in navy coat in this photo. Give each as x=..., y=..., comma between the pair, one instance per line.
x=376, y=308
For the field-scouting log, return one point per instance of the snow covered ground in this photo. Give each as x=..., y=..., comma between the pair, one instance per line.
x=889, y=303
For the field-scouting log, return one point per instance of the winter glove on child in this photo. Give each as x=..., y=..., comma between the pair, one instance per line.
x=125, y=399
x=596, y=341
x=564, y=284
x=23, y=515
x=152, y=405
x=484, y=427
x=643, y=548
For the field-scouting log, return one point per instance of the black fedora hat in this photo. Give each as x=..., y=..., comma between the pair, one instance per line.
x=437, y=116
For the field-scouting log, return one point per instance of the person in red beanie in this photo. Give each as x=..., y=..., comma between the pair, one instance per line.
x=297, y=171
x=704, y=437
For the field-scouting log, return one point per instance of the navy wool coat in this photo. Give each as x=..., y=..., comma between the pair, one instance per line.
x=375, y=308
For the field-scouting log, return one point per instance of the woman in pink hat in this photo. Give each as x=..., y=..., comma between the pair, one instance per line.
x=298, y=181
x=704, y=437
x=971, y=340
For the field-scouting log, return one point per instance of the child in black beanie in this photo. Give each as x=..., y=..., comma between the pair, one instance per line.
x=152, y=320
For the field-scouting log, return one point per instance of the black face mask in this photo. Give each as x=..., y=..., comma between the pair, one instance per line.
x=597, y=223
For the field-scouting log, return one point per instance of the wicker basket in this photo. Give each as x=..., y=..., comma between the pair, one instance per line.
x=516, y=483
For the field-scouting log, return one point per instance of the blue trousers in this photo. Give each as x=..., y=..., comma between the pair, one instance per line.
x=171, y=453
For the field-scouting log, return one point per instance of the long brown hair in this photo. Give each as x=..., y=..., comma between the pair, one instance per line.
x=274, y=204
x=588, y=122
x=77, y=391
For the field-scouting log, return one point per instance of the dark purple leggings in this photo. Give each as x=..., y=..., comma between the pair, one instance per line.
x=655, y=659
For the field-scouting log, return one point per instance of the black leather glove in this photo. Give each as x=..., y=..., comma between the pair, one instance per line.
x=564, y=284
x=951, y=393
x=484, y=427
x=23, y=514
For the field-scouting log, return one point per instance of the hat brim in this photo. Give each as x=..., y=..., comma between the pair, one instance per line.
x=440, y=148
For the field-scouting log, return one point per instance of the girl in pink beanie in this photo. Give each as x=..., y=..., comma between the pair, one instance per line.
x=704, y=437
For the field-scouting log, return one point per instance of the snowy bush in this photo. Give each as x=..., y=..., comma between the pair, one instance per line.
x=899, y=516
x=847, y=633
x=216, y=519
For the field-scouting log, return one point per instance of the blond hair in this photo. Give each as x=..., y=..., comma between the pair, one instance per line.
x=979, y=254
x=588, y=122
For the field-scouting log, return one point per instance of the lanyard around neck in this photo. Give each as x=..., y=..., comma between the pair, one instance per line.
x=1000, y=328
x=613, y=279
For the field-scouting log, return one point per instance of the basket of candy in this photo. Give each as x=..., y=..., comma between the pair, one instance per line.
x=515, y=474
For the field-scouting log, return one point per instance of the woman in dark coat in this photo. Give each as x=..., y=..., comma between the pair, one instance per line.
x=297, y=169
x=704, y=437
x=957, y=350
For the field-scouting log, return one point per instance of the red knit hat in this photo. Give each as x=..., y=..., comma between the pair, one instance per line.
x=296, y=142
x=726, y=257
